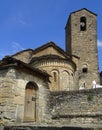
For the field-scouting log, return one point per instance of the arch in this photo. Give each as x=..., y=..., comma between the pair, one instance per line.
x=30, y=108
x=55, y=80
x=65, y=80
x=71, y=81
x=82, y=23
x=82, y=84
x=31, y=85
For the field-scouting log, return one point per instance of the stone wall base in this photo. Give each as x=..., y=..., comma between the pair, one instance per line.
x=43, y=128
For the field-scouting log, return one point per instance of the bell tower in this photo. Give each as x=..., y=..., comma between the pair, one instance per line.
x=81, y=41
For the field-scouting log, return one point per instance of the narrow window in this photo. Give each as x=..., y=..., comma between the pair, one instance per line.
x=55, y=76
x=85, y=69
x=55, y=80
x=82, y=23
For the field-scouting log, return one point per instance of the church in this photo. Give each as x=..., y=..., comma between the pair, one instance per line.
x=48, y=86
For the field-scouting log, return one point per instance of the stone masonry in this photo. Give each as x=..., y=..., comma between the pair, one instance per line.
x=83, y=44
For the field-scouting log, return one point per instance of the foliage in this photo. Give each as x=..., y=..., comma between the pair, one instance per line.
x=90, y=97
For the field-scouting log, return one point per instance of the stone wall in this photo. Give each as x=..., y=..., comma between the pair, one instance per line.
x=84, y=45
x=77, y=107
x=48, y=51
x=12, y=96
x=64, y=71
x=24, y=56
x=44, y=128
x=55, y=108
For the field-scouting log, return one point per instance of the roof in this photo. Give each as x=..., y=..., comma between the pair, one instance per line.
x=79, y=11
x=42, y=48
x=12, y=62
x=83, y=9
x=22, y=51
x=49, y=44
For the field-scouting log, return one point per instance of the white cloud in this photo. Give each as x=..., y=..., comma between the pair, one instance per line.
x=99, y=43
x=19, y=19
x=22, y=19
x=16, y=47
x=22, y=22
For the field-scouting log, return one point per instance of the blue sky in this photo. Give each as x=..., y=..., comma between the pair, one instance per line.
x=31, y=23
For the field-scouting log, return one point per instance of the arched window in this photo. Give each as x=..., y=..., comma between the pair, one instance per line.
x=71, y=81
x=65, y=80
x=85, y=68
x=54, y=80
x=55, y=76
x=82, y=23
x=30, y=112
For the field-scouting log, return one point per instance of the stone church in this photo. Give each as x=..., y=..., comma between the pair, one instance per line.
x=39, y=87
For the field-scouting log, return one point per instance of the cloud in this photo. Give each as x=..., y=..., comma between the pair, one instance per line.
x=22, y=19
x=16, y=47
x=99, y=43
x=22, y=22
x=18, y=19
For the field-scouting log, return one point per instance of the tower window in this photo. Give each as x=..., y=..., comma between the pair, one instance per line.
x=82, y=23
x=85, y=69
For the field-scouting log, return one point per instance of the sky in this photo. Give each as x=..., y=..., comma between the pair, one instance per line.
x=28, y=24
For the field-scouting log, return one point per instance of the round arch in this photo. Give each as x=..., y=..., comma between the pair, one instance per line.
x=31, y=85
x=54, y=80
x=31, y=99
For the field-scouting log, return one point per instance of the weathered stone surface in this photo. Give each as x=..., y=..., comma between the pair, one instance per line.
x=12, y=96
x=24, y=56
x=76, y=106
x=84, y=45
x=62, y=73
